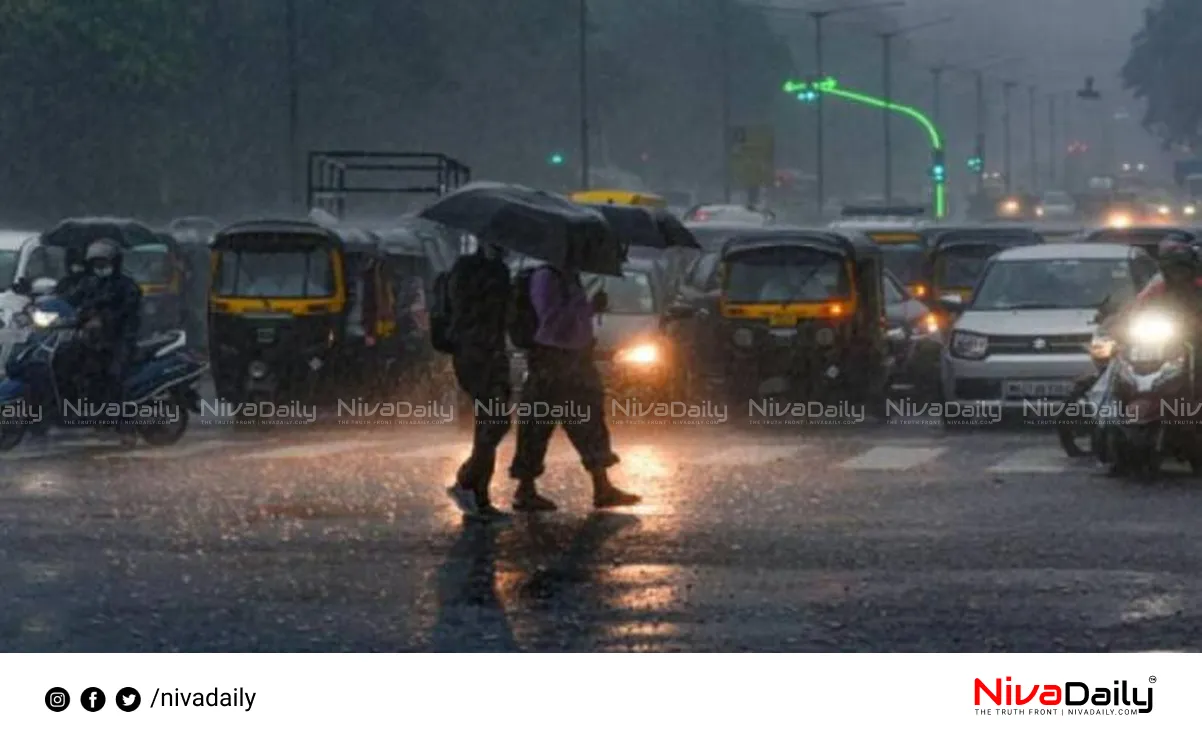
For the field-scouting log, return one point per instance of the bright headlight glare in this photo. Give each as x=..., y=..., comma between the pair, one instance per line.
x=642, y=354
x=1190, y=210
x=1119, y=220
x=43, y=319
x=1153, y=329
x=1164, y=210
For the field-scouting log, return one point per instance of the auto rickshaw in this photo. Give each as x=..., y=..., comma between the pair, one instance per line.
x=952, y=258
x=798, y=314
x=621, y=198
x=1148, y=238
x=161, y=274
x=302, y=310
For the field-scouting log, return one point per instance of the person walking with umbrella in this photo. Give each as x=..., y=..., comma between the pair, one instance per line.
x=478, y=290
x=555, y=327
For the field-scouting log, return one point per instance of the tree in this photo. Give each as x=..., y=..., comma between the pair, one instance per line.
x=1163, y=71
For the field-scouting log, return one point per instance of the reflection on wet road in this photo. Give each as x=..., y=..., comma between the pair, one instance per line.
x=874, y=538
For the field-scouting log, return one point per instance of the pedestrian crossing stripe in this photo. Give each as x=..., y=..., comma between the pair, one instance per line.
x=1036, y=460
x=893, y=458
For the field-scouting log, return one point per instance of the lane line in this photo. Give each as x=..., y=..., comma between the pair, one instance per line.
x=893, y=458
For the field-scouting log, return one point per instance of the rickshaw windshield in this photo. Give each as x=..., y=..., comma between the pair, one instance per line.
x=149, y=264
x=785, y=274
x=905, y=262
x=960, y=266
x=294, y=270
x=9, y=259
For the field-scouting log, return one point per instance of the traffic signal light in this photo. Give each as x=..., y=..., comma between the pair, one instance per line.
x=976, y=164
x=938, y=168
x=556, y=158
x=808, y=96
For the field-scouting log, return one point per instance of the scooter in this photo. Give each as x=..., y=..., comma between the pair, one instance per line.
x=158, y=394
x=1153, y=381
x=1079, y=417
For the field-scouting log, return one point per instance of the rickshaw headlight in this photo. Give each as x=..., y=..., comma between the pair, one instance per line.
x=743, y=338
x=642, y=354
x=969, y=345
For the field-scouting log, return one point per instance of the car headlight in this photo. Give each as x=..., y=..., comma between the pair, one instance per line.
x=43, y=319
x=1118, y=220
x=969, y=345
x=643, y=354
x=1101, y=349
x=1163, y=210
x=1039, y=211
x=1011, y=207
x=1189, y=210
x=743, y=338
x=1152, y=328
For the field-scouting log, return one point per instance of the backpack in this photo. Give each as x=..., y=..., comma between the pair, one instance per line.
x=441, y=314
x=522, y=319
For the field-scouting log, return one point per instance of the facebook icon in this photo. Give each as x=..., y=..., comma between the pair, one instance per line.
x=92, y=699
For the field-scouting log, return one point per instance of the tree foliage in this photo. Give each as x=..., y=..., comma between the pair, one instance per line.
x=1163, y=71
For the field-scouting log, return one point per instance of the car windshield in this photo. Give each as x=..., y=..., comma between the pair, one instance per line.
x=148, y=264
x=785, y=275
x=1054, y=284
x=628, y=295
x=8, y=268
x=274, y=273
x=904, y=261
x=960, y=266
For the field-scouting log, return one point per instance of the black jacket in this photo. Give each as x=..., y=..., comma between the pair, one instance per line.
x=479, y=289
x=117, y=301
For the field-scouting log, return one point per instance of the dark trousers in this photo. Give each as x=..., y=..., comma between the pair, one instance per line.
x=485, y=378
x=562, y=388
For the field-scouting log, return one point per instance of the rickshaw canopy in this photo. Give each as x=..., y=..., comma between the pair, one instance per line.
x=620, y=198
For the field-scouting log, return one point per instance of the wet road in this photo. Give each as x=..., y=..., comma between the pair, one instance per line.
x=867, y=538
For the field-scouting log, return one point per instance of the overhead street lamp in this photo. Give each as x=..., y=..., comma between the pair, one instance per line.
x=887, y=38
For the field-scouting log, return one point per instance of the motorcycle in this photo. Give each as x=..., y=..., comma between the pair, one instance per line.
x=158, y=392
x=1153, y=377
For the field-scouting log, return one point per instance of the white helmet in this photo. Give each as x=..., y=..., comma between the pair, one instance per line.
x=102, y=250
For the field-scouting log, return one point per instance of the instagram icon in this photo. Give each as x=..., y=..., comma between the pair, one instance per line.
x=57, y=699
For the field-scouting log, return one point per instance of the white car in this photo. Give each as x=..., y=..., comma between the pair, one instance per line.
x=1025, y=335
x=729, y=214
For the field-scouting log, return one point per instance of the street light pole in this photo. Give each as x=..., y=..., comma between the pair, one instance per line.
x=818, y=17
x=1052, y=148
x=887, y=65
x=981, y=128
x=584, y=134
x=937, y=93
x=724, y=31
x=1007, y=88
x=1034, y=151
x=293, y=103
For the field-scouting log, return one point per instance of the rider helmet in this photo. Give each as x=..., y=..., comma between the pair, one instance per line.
x=102, y=257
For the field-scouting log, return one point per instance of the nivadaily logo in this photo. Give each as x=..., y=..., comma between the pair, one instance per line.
x=1123, y=699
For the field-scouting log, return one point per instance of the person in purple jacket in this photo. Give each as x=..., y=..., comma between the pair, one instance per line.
x=561, y=374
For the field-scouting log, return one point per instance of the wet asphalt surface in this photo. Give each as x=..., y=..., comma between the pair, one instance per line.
x=860, y=538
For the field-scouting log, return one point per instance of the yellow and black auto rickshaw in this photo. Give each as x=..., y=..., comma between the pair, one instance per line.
x=799, y=315
x=160, y=272
x=620, y=198
x=302, y=311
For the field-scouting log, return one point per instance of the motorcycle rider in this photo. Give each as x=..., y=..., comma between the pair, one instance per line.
x=111, y=305
x=77, y=277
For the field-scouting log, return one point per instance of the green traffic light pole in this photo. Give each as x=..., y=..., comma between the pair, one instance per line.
x=810, y=91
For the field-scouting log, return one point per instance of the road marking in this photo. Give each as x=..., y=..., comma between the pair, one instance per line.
x=305, y=451
x=178, y=451
x=1044, y=459
x=883, y=458
x=743, y=456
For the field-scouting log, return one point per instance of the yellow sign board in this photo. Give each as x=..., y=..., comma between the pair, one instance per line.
x=753, y=155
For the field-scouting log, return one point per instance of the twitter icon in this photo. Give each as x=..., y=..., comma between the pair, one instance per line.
x=128, y=699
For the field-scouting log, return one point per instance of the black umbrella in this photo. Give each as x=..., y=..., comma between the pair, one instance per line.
x=534, y=223
x=652, y=228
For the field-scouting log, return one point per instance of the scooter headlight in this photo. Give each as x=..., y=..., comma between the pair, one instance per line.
x=43, y=319
x=1151, y=328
